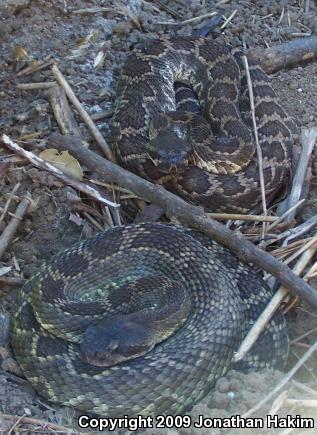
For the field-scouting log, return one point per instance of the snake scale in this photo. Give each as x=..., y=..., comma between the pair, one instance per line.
x=141, y=271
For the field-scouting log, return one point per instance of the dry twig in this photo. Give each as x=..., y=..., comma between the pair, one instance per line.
x=93, y=10
x=82, y=112
x=167, y=9
x=292, y=233
x=255, y=131
x=36, y=86
x=182, y=23
x=304, y=388
x=42, y=164
x=102, y=115
x=242, y=217
x=287, y=54
x=62, y=112
x=231, y=16
x=284, y=215
x=8, y=202
x=308, y=139
x=36, y=66
x=12, y=226
x=44, y=425
x=301, y=402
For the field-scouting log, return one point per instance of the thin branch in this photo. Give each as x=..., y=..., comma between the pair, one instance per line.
x=93, y=10
x=104, y=114
x=242, y=217
x=82, y=112
x=8, y=202
x=167, y=9
x=256, y=136
x=42, y=164
x=36, y=85
x=47, y=425
x=36, y=66
x=62, y=112
x=306, y=248
x=231, y=16
x=287, y=54
x=306, y=403
x=304, y=388
x=293, y=233
x=120, y=10
x=259, y=325
x=190, y=20
x=295, y=340
x=308, y=139
x=10, y=229
x=284, y=215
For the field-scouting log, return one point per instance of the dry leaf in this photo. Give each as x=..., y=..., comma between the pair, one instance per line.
x=63, y=161
x=99, y=59
x=19, y=54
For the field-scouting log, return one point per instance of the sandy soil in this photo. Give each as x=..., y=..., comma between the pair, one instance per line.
x=35, y=29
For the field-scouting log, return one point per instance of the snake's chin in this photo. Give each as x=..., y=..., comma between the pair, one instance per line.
x=111, y=359
x=97, y=362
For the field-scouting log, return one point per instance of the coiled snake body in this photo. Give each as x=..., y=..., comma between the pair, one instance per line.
x=225, y=299
x=101, y=276
x=215, y=155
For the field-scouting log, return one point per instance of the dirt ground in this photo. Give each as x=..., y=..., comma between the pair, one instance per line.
x=33, y=29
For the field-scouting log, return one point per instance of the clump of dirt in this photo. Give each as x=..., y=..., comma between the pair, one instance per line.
x=34, y=29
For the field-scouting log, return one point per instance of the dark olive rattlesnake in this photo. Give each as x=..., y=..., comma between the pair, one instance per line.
x=226, y=298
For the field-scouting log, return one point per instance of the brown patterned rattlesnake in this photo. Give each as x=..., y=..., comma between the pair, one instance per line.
x=215, y=157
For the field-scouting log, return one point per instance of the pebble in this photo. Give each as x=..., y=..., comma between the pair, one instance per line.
x=122, y=28
x=223, y=385
x=10, y=365
x=220, y=400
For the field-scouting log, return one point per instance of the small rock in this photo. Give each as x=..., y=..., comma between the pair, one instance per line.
x=122, y=28
x=220, y=400
x=223, y=385
x=27, y=411
x=10, y=365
